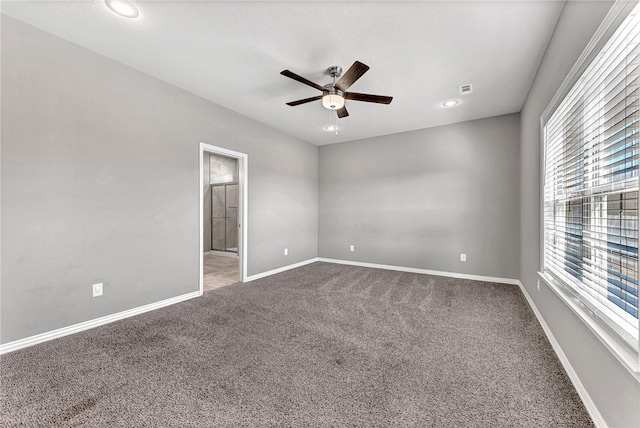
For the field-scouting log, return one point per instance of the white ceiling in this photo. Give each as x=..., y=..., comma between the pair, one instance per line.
x=232, y=53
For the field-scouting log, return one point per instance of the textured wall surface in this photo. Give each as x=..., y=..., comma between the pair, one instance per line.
x=613, y=389
x=419, y=199
x=100, y=176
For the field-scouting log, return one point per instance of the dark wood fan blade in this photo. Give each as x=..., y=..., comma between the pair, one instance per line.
x=353, y=73
x=306, y=100
x=368, y=98
x=301, y=79
x=342, y=112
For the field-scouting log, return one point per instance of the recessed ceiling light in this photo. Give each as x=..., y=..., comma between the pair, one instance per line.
x=123, y=8
x=450, y=103
x=330, y=128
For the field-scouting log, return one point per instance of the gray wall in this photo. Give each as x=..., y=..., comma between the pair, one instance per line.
x=613, y=389
x=100, y=180
x=419, y=199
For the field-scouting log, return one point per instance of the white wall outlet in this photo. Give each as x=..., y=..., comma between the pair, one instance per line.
x=463, y=257
x=286, y=251
x=538, y=284
x=352, y=247
x=97, y=289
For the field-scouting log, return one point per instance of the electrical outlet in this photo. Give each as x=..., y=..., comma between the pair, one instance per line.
x=352, y=248
x=97, y=289
x=286, y=251
x=463, y=257
x=538, y=284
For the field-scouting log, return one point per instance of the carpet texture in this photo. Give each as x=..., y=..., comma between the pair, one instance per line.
x=322, y=345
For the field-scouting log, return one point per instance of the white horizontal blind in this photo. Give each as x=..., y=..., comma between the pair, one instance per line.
x=591, y=184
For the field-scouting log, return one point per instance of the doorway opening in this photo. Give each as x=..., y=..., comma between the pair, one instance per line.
x=223, y=214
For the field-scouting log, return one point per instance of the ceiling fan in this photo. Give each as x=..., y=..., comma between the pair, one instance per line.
x=334, y=94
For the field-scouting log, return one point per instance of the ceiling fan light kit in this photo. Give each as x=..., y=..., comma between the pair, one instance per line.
x=334, y=94
x=334, y=100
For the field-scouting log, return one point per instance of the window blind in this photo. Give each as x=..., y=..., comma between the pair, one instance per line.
x=591, y=184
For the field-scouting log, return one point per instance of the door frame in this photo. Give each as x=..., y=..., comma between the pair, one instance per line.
x=243, y=208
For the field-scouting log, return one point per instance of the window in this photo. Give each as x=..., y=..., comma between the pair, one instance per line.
x=591, y=184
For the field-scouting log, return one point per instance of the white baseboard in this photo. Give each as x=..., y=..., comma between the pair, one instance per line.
x=424, y=271
x=597, y=418
x=281, y=269
x=76, y=328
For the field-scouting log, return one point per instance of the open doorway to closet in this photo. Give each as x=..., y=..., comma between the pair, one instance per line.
x=222, y=212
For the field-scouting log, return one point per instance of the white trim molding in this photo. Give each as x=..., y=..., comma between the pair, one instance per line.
x=591, y=407
x=609, y=338
x=76, y=328
x=280, y=269
x=500, y=280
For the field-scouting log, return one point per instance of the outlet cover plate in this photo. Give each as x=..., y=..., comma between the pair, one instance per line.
x=97, y=289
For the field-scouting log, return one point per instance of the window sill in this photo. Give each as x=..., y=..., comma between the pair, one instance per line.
x=623, y=352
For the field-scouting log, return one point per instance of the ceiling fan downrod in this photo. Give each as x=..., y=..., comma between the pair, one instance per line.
x=335, y=72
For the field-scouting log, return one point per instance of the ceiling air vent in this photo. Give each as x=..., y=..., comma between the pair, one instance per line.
x=465, y=89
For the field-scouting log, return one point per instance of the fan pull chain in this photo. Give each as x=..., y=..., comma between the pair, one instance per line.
x=331, y=126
